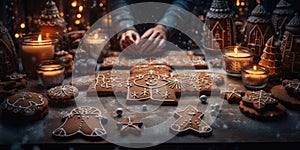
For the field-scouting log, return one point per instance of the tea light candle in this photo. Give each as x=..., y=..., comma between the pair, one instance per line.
x=35, y=50
x=50, y=73
x=95, y=43
x=235, y=58
x=255, y=76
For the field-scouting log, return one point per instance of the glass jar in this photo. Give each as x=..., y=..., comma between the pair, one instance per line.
x=50, y=73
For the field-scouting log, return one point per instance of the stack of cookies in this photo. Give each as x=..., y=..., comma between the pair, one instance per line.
x=67, y=60
x=288, y=93
x=261, y=105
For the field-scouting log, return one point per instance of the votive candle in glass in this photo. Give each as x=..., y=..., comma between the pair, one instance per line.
x=255, y=77
x=50, y=73
x=235, y=58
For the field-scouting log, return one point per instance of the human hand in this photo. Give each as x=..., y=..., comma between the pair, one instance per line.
x=154, y=39
x=129, y=37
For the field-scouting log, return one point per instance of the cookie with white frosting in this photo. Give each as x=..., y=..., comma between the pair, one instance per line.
x=28, y=106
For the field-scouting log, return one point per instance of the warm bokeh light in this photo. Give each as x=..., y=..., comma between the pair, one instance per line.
x=238, y=3
x=80, y=8
x=61, y=14
x=77, y=21
x=254, y=68
x=74, y=4
x=22, y=25
x=242, y=3
x=70, y=28
x=17, y=35
x=78, y=15
x=101, y=4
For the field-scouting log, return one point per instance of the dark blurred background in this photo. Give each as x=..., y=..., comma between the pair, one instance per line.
x=21, y=16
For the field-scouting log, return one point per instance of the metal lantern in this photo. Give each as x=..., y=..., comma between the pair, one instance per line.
x=219, y=31
x=258, y=30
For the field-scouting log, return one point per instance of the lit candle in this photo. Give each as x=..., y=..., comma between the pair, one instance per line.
x=235, y=58
x=255, y=76
x=96, y=43
x=34, y=50
x=50, y=73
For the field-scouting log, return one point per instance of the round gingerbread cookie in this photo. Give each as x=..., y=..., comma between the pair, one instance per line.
x=63, y=93
x=277, y=112
x=285, y=98
x=25, y=106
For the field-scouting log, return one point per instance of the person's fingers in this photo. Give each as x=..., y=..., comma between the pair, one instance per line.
x=147, y=34
x=159, y=46
x=137, y=38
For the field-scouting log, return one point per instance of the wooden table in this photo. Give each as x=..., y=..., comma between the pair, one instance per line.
x=231, y=128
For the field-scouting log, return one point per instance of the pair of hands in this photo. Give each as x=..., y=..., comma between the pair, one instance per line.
x=149, y=43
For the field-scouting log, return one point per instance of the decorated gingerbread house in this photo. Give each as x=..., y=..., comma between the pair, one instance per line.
x=258, y=30
x=219, y=31
x=282, y=14
x=290, y=48
x=8, y=55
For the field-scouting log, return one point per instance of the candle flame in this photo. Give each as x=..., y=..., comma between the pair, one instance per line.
x=235, y=50
x=40, y=38
x=254, y=68
x=96, y=36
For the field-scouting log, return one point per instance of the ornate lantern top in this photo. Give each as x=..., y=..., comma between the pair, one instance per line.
x=219, y=9
x=259, y=15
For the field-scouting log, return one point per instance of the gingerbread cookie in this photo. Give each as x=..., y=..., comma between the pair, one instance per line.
x=63, y=94
x=25, y=106
x=108, y=83
x=150, y=87
x=280, y=92
x=130, y=126
x=11, y=83
x=261, y=105
x=197, y=83
x=292, y=87
x=82, y=82
x=189, y=122
x=233, y=95
x=84, y=121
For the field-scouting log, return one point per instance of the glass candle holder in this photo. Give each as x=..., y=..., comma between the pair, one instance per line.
x=34, y=49
x=235, y=58
x=255, y=76
x=96, y=43
x=50, y=73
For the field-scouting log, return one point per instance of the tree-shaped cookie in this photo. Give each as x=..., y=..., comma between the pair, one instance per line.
x=189, y=121
x=85, y=121
x=129, y=125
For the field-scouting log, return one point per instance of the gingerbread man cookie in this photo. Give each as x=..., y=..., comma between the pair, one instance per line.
x=85, y=121
x=189, y=122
